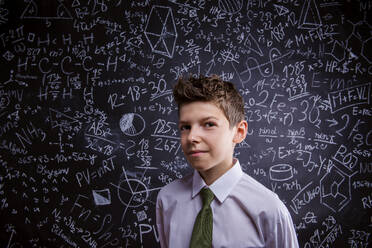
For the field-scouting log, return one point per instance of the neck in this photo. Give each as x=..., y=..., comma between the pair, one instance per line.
x=211, y=175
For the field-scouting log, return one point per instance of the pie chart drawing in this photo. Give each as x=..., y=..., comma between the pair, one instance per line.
x=132, y=193
x=132, y=124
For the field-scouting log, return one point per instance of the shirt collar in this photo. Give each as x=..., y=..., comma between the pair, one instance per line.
x=222, y=187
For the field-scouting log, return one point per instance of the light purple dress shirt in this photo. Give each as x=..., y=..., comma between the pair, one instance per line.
x=245, y=213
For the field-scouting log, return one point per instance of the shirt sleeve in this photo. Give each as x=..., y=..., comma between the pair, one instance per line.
x=160, y=222
x=288, y=237
x=283, y=233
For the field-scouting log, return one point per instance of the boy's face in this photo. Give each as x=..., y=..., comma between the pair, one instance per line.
x=207, y=139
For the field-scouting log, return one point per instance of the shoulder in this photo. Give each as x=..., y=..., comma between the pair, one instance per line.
x=177, y=190
x=254, y=194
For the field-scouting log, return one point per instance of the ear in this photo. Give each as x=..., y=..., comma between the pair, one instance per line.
x=241, y=131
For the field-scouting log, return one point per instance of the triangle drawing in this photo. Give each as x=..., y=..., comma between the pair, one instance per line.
x=102, y=197
x=75, y=3
x=46, y=10
x=30, y=11
x=281, y=10
x=310, y=17
x=58, y=119
x=253, y=45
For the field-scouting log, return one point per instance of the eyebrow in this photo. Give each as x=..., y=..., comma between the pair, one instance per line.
x=204, y=119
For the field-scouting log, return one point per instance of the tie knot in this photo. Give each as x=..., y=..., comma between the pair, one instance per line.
x=207, y=196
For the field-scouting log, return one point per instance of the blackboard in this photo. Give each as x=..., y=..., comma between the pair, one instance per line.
x=88, y=127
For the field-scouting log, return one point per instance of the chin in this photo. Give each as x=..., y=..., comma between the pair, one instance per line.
x=200, y=167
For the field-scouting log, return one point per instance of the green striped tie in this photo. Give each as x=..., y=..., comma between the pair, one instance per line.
x=203, y=227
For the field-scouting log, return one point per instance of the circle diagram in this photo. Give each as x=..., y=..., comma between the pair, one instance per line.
x=132, y=193
x=132, y=124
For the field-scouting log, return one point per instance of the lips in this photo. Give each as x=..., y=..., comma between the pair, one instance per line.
x=196, y=152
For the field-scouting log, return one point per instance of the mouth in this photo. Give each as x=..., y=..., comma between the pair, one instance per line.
x=196, y=153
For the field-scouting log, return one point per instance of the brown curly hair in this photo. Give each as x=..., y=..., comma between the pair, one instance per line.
x=211, y=89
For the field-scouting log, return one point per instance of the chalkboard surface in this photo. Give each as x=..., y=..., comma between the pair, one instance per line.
x=88, y=127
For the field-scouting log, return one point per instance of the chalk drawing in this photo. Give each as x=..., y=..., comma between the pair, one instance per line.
x=230, y=6
x=281, y=10
x=32, y=11
x=310, y=17
x=102, y=197
x=161, y=31
x=132, y=124
x=281, y=172
x=266, y=69
x=13, y=80
x=335, y=190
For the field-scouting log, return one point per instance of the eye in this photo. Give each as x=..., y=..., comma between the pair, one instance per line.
x=210, y=124
x=184, y=127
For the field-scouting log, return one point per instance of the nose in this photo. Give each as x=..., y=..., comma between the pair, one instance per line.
x=194, y=135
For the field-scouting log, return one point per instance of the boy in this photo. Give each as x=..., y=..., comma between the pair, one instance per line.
x=218, y=205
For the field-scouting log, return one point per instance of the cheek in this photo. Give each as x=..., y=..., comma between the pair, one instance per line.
x=222, y=142
x=222, y=137
x=217, y=142
x=183, y=142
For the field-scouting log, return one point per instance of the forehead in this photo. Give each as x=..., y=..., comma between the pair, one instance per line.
x=200, y=110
